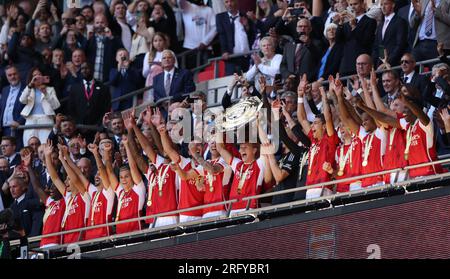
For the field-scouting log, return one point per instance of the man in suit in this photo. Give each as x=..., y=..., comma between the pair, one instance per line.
x=101, y=47
x=123, y=79
x=391, y=35
x=391, y=85
x=236, y=34
x=357, y=34
x=303, y=56
x=406, y=12
x=89, y=99
x=173, y=81
x=409, y=76
x=431, y=18
x=10, y=106
x=26, y=209
x=8, y=147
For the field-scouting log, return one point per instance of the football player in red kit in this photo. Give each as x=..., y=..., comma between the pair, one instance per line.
x=55, y=205
x=102, y=199
x=372, y=138
x=130, y=192
x=75, y=195
x=162, y=186
x=324, y=141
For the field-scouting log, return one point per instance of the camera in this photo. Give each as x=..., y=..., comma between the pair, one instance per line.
x=297, y=11
x=123, y=58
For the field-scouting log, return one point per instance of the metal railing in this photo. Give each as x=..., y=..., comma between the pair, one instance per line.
x=256, y=197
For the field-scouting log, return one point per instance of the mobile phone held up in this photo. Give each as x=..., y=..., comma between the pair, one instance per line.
x=297, y=11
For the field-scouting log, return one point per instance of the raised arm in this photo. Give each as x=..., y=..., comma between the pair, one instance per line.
x=344, y=114
x=48, y=150
x=130, y=123
x=93, y=148
x=74, y=178
x=107, y=156
x=135, y=173
x=301, y=114
x=213, y=169
x=327, y=112
x=165, y=139
x=379, y=105
x=84, y=181
x=143, y=141
x=383, y=118
x=220, y=146
x=416, y=110
x=26, y=158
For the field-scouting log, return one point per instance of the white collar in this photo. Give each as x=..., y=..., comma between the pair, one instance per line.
x=17, y=87
x=359, y=17
x=19, y=199
x=230, y=15
x=12, y=157
x=169, y=72
x=410, y=76
x=389, y=17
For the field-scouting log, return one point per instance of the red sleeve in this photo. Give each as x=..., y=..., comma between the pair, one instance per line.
x=233, y=150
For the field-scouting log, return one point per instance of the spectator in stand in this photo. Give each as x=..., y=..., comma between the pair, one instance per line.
x=64, y=130
x=391, y=85
x=236, y=34
x=88, y=14
x=173, y=81
x=10, y=105
x=81, y=26
x=302, y=57
x=40, y=104
x=263, y=17
x=123, y=79
x=100, y=7
x=267, y=66
x=141, y=41
x=101, y=46
x=163, y=20
x=21, y=52
x=113, y=123
x=331, y=60
x=136, y=8
x=406, y=12
x=118, y=9
x=69, y=41
x=8, y=147
x=357, y=34
x=26, y=208
x=431, y=18
x=152, y=62
x=74, y=69
x=390, y=37
x=199, y=30
x=410, y=76
x=89, y=99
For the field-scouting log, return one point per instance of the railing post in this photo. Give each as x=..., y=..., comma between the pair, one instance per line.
x=216, y=68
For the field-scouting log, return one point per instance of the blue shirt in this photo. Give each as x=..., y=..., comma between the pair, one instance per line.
x=324, y=62
x=37, y=108
x=10, y=102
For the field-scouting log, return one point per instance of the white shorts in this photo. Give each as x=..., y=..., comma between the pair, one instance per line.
x=355, y=186
x=214, y=214
x=239, y=210
x=49, y=245
x=166, y=221
x=317, y=192
x=185, y=218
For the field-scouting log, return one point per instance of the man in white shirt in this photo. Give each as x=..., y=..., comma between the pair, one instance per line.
x=199, y=29
x=236, y=34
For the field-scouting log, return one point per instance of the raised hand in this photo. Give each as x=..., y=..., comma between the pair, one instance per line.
x=267, y=149
x=262, y=83
x=147, y=115
x=93, y=148
x=106, y=119
x=125, y=140
x=26, y=158
x=48, y=148
x=157, y=118
x=355, y=83
x=327, y=167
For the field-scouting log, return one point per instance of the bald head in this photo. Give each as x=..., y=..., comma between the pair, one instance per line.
x=364, y=65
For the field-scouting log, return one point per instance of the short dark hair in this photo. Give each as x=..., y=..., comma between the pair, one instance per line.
x=68, y=118
x=321, y=116
x=392, y=73
x=11, y=139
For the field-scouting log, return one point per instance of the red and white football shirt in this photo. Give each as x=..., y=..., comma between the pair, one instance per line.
x=421, y=149
x=251, y=186
x=215, y=185
x=129, y=206
x=166, y=200
x=77, y=211
x=352, y=165
x=320, y=152
x=375, y=143
x=189, y=195
x=53, y=216
x=101, y=207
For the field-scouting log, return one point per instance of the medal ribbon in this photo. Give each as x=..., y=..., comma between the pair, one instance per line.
x=409, y=138
x=66, y=213
x=367, y=146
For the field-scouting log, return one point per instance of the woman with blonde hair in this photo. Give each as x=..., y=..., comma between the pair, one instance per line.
x=40, y=104
x=142, y=39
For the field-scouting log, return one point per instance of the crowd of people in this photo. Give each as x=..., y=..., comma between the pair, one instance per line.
x=59, y=69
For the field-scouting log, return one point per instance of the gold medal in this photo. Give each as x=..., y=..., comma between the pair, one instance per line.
x=364, y=163
x=149, y=203
x=160, y=193
x=340, y=173
x=406, y=156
